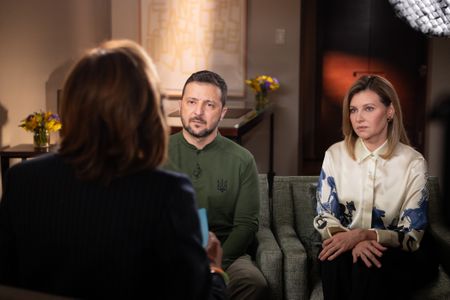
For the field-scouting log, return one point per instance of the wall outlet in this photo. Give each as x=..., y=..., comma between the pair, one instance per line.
x=280, y=36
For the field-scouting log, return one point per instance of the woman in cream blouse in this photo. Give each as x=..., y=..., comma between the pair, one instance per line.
x=371, y=200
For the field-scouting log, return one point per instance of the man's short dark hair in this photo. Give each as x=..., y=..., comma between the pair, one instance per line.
x=212, y=78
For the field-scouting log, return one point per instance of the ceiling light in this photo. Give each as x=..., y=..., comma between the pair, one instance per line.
x=431, y=17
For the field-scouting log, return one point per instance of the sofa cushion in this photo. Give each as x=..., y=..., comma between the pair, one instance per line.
x=268, y=256
x=304, y=198
x=304, y=201
x=295, y=270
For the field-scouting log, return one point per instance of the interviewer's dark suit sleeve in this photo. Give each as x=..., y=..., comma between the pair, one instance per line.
x=184, y=249
x=8, y=260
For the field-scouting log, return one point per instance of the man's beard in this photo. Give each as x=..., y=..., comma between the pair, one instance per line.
x=201, y=134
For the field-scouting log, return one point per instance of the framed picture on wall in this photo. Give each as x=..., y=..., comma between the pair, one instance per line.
x=185, y=36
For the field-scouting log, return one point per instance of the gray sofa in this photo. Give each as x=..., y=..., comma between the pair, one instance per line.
x=268, y=256
x=292, y=273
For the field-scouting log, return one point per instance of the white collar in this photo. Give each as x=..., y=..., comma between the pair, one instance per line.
x=361, y=151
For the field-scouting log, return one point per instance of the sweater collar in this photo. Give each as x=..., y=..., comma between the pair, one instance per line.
x=208, y=146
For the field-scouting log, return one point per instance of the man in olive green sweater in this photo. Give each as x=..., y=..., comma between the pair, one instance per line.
x=225, y=179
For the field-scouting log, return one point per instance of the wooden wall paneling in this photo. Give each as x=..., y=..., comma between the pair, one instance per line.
x=342, y=40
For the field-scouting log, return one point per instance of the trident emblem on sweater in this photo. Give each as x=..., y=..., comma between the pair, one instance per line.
x=222, y=185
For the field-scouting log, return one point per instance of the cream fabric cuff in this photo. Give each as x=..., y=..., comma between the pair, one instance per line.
x=335, y=229
x=387, y=237
x=376, y=232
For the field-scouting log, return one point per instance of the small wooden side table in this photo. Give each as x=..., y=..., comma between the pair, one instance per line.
x=22, y=151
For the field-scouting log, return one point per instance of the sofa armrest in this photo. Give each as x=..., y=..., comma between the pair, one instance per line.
x=294, y=263
x=269, y=260
x=437, y=225
x=441, y=235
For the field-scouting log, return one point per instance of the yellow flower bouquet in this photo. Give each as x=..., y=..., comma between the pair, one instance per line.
x=41, y=124
x=261, y=86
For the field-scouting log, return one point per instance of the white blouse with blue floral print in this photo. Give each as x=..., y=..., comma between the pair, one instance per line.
x=387, y=196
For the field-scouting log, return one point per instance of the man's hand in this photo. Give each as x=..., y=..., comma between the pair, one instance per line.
x=214, y=250
x=369, y=252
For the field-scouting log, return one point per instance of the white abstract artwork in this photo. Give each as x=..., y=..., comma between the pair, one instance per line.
x=185, y=36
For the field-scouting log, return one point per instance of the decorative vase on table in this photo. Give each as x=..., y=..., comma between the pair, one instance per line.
x=41, y=138
x=261, y=86
x=41, y=124
x=261, y=101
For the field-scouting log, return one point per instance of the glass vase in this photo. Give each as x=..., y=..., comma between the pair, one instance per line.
x=261, y=101
x=41, y=138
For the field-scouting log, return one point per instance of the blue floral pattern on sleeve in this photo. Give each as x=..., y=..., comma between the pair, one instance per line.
x=332, y=203
x=377, y=221
x=344, y=213
x=417, y=217
x=347, y=210
x=319, y=209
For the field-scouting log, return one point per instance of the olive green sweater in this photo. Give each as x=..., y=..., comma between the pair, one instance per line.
x=225, y=179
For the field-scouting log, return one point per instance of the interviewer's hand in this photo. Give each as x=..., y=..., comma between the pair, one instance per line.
x=369, y=252
x=214, y=250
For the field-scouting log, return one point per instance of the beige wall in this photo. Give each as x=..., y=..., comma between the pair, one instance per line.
x=281, y=61
x=264, y=56
x=40, y=38
x=125, y=19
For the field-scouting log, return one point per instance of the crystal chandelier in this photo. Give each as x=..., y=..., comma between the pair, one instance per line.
x=431, y=17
